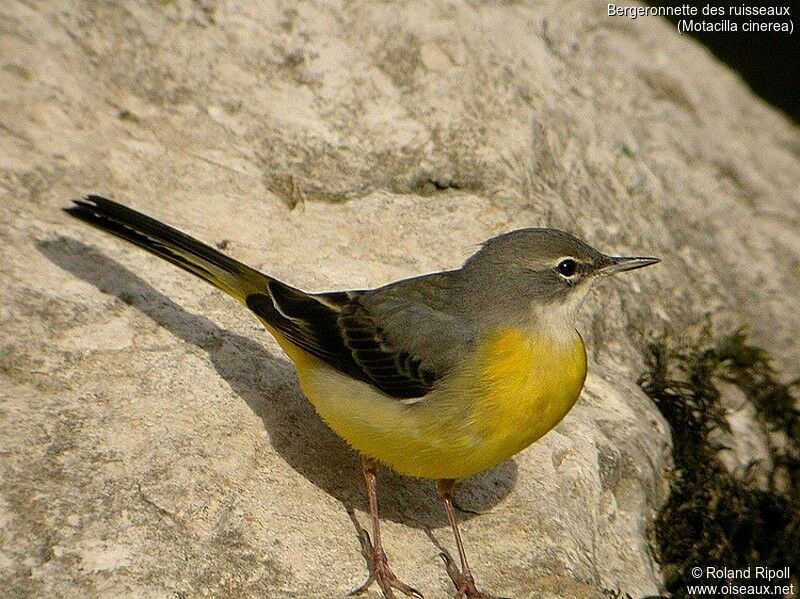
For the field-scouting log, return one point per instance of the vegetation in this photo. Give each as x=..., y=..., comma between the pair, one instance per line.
x=714, y=517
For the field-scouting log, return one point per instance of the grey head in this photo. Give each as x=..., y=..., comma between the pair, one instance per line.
x=537, y=273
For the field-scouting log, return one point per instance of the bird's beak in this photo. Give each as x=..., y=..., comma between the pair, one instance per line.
x=622, y=263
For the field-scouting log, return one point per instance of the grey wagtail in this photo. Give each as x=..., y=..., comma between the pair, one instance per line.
x=439, y=376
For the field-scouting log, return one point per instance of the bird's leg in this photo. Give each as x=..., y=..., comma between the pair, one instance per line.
x=462, y=579
x=373, y=550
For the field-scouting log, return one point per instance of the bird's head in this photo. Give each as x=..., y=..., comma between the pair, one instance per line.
x=544, y=271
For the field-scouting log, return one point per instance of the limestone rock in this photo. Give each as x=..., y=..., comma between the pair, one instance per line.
x=153, y=440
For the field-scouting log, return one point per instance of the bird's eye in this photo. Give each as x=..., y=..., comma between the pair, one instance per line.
x=567, y=267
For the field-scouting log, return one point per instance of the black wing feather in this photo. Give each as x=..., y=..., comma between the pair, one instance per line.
x=336, y=328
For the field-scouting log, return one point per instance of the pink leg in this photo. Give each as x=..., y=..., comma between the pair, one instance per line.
x=373, y=551
x=462, y=579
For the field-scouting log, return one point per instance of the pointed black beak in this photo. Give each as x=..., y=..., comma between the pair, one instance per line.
x=622, y=263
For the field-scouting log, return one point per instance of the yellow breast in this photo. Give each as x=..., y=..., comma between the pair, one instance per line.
x=510, y=392
x=530, y=384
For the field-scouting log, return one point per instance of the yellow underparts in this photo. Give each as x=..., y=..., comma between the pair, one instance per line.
x=514, y=389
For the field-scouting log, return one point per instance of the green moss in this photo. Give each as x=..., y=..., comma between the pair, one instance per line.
x=711, y=517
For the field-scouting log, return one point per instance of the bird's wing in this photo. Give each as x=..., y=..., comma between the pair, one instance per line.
x=391, y=344
x=393, y=338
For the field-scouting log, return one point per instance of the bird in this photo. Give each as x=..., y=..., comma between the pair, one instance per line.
x=439, y=376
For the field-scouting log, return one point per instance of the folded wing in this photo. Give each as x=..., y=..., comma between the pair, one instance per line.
x=339, y=329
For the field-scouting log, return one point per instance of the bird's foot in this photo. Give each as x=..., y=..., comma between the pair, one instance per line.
x=380, y=572
x=463, y=581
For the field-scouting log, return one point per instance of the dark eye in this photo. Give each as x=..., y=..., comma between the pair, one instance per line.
x=567, y=267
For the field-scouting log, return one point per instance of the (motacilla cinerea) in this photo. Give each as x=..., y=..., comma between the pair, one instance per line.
x=439, y=376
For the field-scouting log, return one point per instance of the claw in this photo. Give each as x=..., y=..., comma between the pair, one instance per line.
x=379, y=572
x=464, y=583
x=362, y=587
x=452, y=570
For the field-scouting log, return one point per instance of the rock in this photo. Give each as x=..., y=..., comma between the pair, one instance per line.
x=746, y=451
x=153, y=439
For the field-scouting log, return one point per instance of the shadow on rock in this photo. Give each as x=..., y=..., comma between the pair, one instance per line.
x=260, y=378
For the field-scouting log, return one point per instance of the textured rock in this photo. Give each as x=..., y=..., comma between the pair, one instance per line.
x=153, y=440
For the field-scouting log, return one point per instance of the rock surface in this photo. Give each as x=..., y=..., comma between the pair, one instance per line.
x=154, y=441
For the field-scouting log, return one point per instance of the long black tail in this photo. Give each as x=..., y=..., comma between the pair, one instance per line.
x=229, y=275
